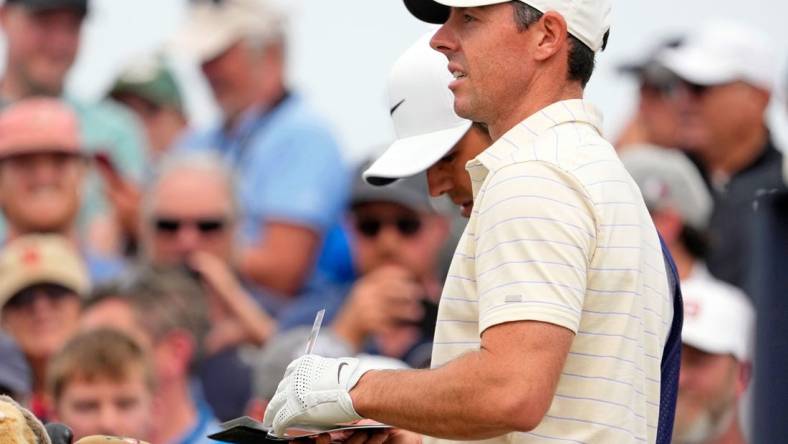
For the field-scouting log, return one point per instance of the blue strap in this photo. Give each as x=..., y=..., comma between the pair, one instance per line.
x=671, y=356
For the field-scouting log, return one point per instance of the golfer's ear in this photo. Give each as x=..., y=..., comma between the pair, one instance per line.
x=551, y=35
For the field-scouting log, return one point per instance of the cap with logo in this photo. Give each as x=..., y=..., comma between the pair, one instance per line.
x=150, y=80
x=41, y=259
x=718, y=317
x=721, y=52
x=213, y=26
x=668, y=180
x=587, y=20
x=39, y=125
x=422, y=110
x=43, y=5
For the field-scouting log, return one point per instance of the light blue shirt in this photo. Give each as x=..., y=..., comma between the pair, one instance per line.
x=288, y=168
x=288, y=164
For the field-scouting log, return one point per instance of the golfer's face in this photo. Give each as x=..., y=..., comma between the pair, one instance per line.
x=485, y=51
x=448, y=175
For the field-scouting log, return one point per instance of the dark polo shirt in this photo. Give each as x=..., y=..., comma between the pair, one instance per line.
x=737, y=207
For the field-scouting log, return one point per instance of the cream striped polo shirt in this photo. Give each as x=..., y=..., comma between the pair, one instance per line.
x=559, y=233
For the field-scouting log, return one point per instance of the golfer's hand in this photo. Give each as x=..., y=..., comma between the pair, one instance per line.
x=315, y=391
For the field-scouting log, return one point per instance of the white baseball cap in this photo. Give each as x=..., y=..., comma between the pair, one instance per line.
x=213, y=26
x=668, y=180
x=422, y=108
x=718, y=317
x=722, y=52
x=587, y=20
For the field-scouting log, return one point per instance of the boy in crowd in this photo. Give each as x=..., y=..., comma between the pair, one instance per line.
x=102, y=383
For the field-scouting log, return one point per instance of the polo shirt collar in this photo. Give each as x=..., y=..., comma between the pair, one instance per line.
x=527, y=131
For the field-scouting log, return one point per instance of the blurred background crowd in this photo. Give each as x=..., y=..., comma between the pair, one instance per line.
x=159, y=270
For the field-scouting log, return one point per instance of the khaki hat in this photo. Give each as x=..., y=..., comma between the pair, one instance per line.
x=39, y=125
x=213, y=26
x=38, y=259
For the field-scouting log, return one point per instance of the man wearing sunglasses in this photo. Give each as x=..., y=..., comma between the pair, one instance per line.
x=397, y=237
x=42, y=282
x=656, y=119
x=190, y=220
x=557, y=308
x=728, y=74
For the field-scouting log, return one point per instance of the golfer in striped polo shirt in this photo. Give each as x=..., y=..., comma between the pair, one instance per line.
x=558, y=305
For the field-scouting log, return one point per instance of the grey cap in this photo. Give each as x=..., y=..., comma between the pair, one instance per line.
x=14, y=370
x=667, y=179
x=410, y=192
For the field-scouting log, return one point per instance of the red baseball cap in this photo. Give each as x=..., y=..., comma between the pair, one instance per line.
x=39, y=125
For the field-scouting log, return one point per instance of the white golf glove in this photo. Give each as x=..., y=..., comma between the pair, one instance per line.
x=315, y=391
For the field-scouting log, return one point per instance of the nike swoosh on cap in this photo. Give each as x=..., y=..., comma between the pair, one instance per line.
x=394, y=108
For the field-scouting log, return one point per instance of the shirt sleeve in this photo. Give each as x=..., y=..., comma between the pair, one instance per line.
x=535, y=235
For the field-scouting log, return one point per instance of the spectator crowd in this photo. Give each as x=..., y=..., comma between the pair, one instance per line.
x=156, y=279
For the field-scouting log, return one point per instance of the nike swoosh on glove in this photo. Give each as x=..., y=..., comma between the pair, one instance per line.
x=315, y=391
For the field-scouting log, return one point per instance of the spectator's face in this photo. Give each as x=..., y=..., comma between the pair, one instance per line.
x=42, y=45
x=714, y=116
x=162, y=124
x=709, y=387
x=41, y=192
x=192, y=211
x=448, y=175
x=390, y=234
x=234, y=76
x=41, y=319
x=488, y=52
x=102, y=406
x=660, y=115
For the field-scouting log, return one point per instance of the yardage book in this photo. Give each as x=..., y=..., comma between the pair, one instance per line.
x=245, y=430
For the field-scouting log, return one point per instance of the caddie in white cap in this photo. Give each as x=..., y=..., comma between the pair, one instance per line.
x=430, y=135
x=557, y=308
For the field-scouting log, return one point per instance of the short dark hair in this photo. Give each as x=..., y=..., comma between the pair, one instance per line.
x=95, y=355
x=581, y=57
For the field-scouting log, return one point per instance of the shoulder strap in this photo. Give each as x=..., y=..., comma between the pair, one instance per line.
x=671, y=355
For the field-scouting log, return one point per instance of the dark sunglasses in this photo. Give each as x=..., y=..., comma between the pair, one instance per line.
x=204, y=226
x=371, y=226
x=26, y=297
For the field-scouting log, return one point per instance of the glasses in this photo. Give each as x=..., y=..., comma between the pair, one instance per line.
x=206, y=225
x=370, y=226
x=28, y=296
